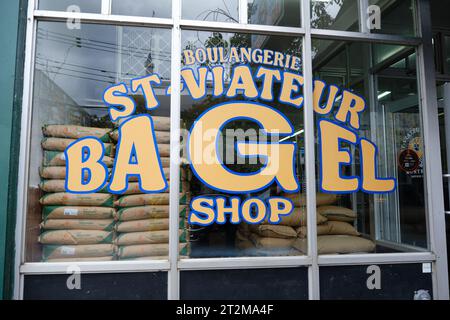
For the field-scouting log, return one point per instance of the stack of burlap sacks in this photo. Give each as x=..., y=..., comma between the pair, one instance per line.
x=143, y=219
x=78, y=227
x=335, y=231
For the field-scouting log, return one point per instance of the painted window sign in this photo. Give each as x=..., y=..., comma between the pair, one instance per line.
x=137, y=153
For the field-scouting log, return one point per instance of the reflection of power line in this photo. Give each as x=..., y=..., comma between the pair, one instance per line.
x=79, y=45
x=87, y=43
x=101, y=42
x=74, y=70
x=76, y=76
x=106, y=72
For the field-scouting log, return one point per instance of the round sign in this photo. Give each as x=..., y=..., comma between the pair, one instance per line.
x=408, y=160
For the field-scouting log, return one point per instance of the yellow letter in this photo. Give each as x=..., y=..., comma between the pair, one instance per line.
x=276, y=211
x=84, y=158
x=218, y=80
x=137, y=155
x=197, y=90
x=268, y=75
x=198, y=209
x=260, y=210
x=290, y=86
x=116, y=96
x=145, y=83
x=242, y=80
x=233, y=210
x=351, y=104
x=280, y=157
x=332, y=156
x=370, y=181
x=188, y=57
x=319, y=88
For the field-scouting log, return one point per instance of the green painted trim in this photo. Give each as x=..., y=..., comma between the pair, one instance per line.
x=12, y=35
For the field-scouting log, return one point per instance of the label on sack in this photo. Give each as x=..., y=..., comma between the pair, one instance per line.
x=68, y=250
x=70, y=212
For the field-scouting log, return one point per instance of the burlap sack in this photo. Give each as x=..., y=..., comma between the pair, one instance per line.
x=70, y=199
x=147, y=212
x=165, y=162
x=142, y=225
x=60, y=144
x=73, y=212
x=270, y=243
x=78, y=224
x=80, y=259
x=53, y=185
x=159, y=123
x=161, y=136
x=148, y=237
x=273, y=231
x=148, y=250
x=297, y=218
x=299, y=199
x=337, y=244
x=330, y=228
x=75, y=237
x=335, y=213
x=75, y=132
x=147, y=199
x=240, y=236
x=244, y=244
x=58, y=185
x=53, y=173
x=133, y=188
x=57, y=173
x=164, y=150
x=80, y=251
x=243, y=229
x=56, y=158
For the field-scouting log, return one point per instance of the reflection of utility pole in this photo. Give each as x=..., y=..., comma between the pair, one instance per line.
x=149, y=65
x=446, y=105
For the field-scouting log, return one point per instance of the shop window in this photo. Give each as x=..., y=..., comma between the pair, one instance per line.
x=143, y=8
x=221, y=57
x=392, y=17
x=73, y=67
x=210, y=10
x=390, y=217
x=335, y=14
x=88, y=6
x=285, y=13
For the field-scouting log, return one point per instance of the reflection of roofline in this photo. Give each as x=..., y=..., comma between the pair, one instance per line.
x=43, y=74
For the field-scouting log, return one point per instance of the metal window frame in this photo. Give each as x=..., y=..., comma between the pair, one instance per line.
x=313, y=261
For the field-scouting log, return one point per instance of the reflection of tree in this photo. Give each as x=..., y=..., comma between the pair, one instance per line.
x=216, y=14
x=321, y=18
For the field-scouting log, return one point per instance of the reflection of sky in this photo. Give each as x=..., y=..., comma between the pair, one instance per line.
x=84, y=62
x=91, y=6
x=211, y=10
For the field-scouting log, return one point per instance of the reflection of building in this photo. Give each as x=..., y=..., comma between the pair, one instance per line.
x=142, y=52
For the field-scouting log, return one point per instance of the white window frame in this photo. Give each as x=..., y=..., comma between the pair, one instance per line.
x=434, y=193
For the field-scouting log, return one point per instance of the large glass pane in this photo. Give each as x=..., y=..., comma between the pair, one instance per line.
x=219, y=60
x=382, y=216
x=72, y=70
x=335, y=14
x=143, y=8
x=90, y=6
x=392, y=17
x=210, y=10
x=285, y=13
